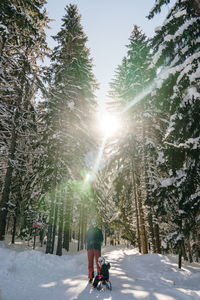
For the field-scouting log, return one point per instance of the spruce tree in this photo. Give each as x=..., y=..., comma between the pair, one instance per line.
x=176, y=49
x=68, y=108
x=130, y=87
x=22, y=44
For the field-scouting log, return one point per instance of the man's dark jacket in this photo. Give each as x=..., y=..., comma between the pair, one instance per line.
x=94, y=238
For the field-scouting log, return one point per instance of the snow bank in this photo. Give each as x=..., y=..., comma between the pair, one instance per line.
x=33, y=275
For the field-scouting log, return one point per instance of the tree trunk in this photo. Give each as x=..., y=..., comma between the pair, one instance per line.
x=85, y=225
x=180, y=257
x=157, y=238
x=17, y=209
x=66, y=229
x=50, y=226
x=66, y=237
x=8, y=223
x=79, y=232
x=180, y=242
x=7, y=186
x=55, y=223
x=148, y=200
x=189, y=250
x=150, y=221
x=82, y=227
x=184, y=252
x=179, y=260
x=136, y=211
x=67, y=224
x=142, y=224
x=34, y=237
x=14, y=227
x=60, y=230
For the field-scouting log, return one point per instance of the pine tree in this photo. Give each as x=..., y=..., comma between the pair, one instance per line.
x=68, y=107
x=176, y=50
x=22, y=43
x=131, y=86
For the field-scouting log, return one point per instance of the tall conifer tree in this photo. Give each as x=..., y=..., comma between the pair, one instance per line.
x=176, y=47
x=69, y=107
x=22, y=44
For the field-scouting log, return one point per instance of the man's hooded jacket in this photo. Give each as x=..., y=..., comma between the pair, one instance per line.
x=94, y=238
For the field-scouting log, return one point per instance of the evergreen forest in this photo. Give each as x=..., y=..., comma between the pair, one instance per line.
x=142, y=183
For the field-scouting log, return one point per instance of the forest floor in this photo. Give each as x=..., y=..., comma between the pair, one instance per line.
x=27, y=274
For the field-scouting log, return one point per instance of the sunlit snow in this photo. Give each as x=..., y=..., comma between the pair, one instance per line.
x=33, y=275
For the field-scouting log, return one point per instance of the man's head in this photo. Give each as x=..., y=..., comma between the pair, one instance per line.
x=93, y=222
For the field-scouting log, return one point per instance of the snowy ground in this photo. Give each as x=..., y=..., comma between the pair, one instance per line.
x=33, y=275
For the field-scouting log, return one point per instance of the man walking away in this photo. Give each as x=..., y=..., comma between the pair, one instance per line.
x=94, y=239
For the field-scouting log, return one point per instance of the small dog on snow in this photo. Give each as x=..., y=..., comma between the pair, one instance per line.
x=103, y=277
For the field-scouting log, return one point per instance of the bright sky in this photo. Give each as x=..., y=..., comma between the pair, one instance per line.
x=108, y=25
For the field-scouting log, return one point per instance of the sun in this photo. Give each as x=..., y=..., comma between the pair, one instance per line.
x=108, y=124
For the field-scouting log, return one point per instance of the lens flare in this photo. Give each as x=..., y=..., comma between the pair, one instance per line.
x=108, y=124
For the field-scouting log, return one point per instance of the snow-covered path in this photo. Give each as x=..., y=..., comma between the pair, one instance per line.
x=32, y=275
